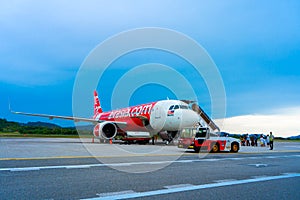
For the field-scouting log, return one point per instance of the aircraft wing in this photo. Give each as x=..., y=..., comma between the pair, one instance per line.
x=76, y=119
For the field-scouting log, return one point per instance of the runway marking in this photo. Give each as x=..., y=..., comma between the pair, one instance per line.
x=25, y=169
x=259, y=165
x=224, y=180
x=140, y=155
x=115, y=193
x=270, y=151
x=297, y=147
x=259, y=176
x=77, y=157
x=188, y=187
x=140, y=163
x=78, y=167
x=178, y=186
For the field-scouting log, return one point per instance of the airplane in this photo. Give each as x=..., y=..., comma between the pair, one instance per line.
x=165, y=115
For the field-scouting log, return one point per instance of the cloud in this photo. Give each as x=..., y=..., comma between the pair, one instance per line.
x=283, y=122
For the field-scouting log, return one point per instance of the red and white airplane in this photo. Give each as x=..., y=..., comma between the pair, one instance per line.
x=165, y=115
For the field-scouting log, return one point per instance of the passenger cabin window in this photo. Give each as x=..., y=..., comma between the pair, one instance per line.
x=176, y=107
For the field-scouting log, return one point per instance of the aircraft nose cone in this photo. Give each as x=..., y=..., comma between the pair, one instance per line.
x=194, y=117
x=190, y=119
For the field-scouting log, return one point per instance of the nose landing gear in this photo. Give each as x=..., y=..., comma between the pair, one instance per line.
x=168, y=136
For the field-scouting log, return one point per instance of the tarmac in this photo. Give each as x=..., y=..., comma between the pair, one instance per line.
x=277, y=147
x=11, y=148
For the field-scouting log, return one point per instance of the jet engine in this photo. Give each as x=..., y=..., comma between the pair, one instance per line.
x=106, y=130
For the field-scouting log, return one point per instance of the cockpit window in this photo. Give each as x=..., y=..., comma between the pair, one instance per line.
x=184, y=107
x=174, y=107
x=171, y=107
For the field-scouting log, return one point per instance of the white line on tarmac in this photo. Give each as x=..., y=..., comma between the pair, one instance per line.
x=186, y=188
x=115, y=193
x=25, y=169
x=138, y=163
x=177, y=186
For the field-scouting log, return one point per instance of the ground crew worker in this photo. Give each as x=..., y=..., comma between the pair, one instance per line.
x=271, y=140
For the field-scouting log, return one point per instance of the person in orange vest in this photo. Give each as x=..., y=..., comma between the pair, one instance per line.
x=271, y=138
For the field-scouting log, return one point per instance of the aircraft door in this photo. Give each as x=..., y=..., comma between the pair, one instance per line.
x=157, y=117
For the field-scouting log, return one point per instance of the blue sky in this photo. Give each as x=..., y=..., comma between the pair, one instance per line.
x=255, y=45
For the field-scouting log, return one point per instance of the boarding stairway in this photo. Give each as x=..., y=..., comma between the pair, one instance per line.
x=206, y=119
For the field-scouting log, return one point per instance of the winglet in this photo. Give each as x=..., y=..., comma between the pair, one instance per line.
x=97, y=106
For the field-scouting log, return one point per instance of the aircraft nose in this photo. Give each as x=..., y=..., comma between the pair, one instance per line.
x=191, y=118
x=195, y=118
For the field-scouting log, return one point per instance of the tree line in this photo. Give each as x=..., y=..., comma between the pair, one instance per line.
x=41, y=128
